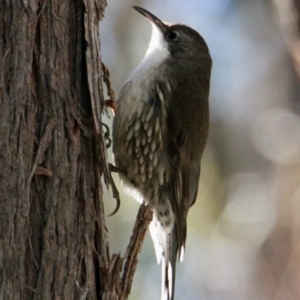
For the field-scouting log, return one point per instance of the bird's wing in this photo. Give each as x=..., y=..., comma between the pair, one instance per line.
x=187, y=129
x=186, y=132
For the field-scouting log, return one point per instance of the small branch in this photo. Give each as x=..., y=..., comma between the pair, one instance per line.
x=142, y=222
x=119, y=283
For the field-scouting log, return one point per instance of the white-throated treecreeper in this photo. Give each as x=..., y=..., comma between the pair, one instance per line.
x=160, y=131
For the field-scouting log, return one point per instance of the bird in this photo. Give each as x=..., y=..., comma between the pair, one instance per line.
x=160, y=130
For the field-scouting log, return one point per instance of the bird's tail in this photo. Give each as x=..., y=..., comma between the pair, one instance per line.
x=166, y=249
x=168, y=268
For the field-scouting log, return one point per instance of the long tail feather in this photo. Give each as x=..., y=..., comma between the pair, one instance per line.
x=169, y=268
x=166, y=249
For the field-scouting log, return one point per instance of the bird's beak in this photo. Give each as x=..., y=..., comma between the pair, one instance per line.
x=156, y=21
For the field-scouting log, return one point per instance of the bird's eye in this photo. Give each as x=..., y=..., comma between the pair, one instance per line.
x=172, y=35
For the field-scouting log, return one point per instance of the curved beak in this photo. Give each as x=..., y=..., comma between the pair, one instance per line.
x=156, y=21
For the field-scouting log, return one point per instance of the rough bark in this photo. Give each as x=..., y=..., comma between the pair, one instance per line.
x=53, y=241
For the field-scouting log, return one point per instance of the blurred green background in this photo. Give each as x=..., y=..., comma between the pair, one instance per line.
x=243, y=232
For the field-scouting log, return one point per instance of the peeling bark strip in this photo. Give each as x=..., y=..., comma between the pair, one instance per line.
x=53, y=238
x=44, y=144
x=94, y=12
x=93, y=61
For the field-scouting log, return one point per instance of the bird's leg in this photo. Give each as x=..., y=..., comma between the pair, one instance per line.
x=111, y=102
x=107, y=135
x=116, y=195
x=115, y=169
x=115, y=191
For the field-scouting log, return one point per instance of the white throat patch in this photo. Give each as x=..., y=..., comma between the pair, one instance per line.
x=157, y=52
x=157, y=41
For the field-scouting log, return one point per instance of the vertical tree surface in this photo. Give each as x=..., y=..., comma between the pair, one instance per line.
x=53, y=242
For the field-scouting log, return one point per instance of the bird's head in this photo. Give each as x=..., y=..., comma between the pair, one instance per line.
x=180, y=40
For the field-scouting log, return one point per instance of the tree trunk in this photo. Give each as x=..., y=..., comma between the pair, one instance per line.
x=53, y=241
